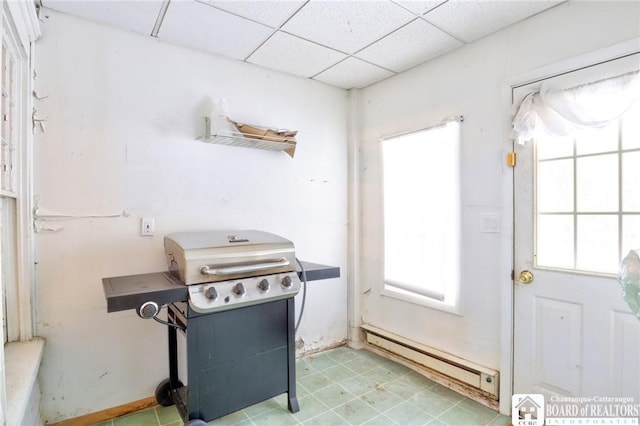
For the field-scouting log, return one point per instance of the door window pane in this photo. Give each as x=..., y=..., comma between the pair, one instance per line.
x=631, y=233
x=631, y=181
x=593, y=141
x=554, y=147
x=597, y=238
x=555, y=241
x=555, y=186
x=597, y=183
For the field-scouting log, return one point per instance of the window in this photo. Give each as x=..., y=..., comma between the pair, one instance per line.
x=421, y=191
x=19, y=28
x=588, y=197
x=8, y=187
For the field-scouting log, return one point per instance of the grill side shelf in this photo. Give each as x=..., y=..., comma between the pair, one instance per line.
x=316, y=271
x=131, y=291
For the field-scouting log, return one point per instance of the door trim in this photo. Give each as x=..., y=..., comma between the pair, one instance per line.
x=509, y=84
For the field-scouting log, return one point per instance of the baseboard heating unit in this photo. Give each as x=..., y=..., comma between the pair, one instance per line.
x=474, y=376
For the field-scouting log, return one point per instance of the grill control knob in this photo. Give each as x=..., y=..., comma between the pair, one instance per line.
x=238, y=289
x=264, y=285
x=286, y=281
x=211, y=293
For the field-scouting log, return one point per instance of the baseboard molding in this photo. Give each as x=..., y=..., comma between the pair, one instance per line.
x=303, y=353
x=461, y=388
x=109, y=413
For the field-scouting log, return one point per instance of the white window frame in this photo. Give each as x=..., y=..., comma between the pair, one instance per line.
x=450, y=299
x=19, y=29
x=19, y=20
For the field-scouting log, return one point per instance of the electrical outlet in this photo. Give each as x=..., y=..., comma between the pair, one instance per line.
x=147, y=226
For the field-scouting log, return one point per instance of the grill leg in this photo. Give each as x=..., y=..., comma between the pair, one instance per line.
x=291, y=354
x=173, y=356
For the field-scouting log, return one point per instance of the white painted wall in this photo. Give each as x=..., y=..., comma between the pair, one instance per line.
x=123, y=112
x=472, y=82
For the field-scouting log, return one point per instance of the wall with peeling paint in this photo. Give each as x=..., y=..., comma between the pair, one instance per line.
x=123, y=113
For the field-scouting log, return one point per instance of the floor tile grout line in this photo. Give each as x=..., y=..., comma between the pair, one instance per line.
x=448, y=409
x=345, y=420
x=350, y=369
x=397, y=405
x=157, y=416
x=343, y=364
x=379, y=380
x=462, y=408
x=493, y=419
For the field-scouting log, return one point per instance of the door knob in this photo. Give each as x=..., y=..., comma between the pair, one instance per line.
x=525, y=277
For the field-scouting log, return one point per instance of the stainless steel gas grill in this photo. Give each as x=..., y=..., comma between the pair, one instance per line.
x=239, y=321
x=237, y=316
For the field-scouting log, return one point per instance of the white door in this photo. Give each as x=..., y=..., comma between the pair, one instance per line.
x=574, y=335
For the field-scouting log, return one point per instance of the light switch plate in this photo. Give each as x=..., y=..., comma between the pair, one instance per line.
x=490, y=222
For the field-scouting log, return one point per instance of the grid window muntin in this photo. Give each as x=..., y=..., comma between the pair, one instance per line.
x=617, y=204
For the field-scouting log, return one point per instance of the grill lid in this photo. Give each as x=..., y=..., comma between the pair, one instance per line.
x=209, y=256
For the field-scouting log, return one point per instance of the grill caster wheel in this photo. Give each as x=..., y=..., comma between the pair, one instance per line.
x=196, y=422
x=163, y=392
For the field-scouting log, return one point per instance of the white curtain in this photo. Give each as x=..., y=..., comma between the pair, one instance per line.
x=561, y=112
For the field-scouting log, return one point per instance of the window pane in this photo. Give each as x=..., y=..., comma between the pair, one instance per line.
x=630, y=233
x=555, y=241
x=421, y=184
x=631, y=181
x=631, y=128
x=597, y=243
x=8, y=272
x=597, y=183
x=554, y=147
x=591, y=141
x=555, y=186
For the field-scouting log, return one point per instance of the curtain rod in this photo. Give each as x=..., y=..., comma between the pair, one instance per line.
x=443, y=122
x=572, y=70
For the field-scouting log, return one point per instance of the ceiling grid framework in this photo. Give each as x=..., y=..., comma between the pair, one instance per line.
x=344, y=43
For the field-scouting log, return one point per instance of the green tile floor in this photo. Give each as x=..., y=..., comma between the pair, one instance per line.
x=344, y=386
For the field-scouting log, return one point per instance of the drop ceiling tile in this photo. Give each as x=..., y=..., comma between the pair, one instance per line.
x=411, y=45
x=419, y=7
x=472, y=20
x=197, y=25
x=294, y=55
x=347, y=26
x=272, y=13
x=138, y=16
x=353, y=73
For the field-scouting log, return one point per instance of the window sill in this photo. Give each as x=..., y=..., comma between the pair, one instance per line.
x=21, y=362
x=417, y=299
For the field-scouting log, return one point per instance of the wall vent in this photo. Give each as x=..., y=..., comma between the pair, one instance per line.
x=458, y=369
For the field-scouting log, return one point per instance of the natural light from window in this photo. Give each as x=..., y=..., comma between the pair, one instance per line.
x=588, y=197
x=421, y=184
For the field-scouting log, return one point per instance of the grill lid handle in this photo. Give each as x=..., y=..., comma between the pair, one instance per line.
x=240, y=269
